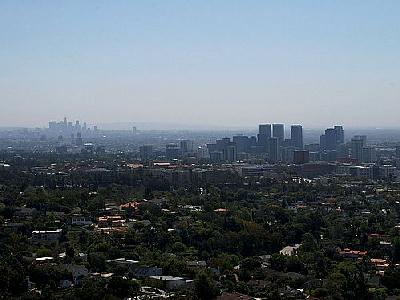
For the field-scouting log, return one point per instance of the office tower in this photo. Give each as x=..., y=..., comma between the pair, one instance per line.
x=252, y=141
x=172, y=151
x=330, y=139
x=231, y=153
x=202, y=152
x=357, y=145
x=301, y=156
x=278, y=131
x=322, y=142
x=273, y=149
x=134, y=130
x=264, y=133
x=79, y=141
x=186, y=146
x=363, y=138
x=65, y=122
x=242, y=143
x=84, y=126
x=287, y=154
x=369, y=155
x=296, y=135
x=339, y=134
x=398, y=151
x=77, y=126
x=265, y=129
x=146, y=152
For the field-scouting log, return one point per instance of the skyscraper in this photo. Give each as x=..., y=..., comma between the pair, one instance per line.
x=273, y=149
x=264, y=133
x=187, y=146
x=242, y=143
x=278, y=131
x=332, y=139
x=265, y=129
x=339, y=134
x=296, y=135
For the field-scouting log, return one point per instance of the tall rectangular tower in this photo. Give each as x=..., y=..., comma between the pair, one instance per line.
x=296, y=135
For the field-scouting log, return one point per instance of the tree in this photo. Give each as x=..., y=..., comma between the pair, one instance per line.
x=121, y=287
x=204, y=286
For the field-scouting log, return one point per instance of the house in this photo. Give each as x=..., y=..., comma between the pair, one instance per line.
x=133, y=205
x=352, y=254
x=44, y=259
x=65, y=284
x=46, y=235
x=234, y=296
x=290, y=250
x=380, y=264
x=196, y=264
x=172, y=283
x=138, y=271
x=79, y=220
x=25, y=212
x=79, y=273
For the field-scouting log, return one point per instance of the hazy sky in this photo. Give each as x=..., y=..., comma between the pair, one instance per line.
x=201, y=62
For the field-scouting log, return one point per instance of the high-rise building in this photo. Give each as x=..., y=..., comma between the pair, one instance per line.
x=363, y=138
x=332, y=139
x=79, y=140
x=265, y=129
x=242, y=143
x=264, y=133
x=287, y=154
x=278, y=131
x=172, y=151
x=398, y=151
x=146, y=152
x=339, y=134
x=369, y=155
x=273, y=149
x=223, y=150
x=296, y=135
x=357, y=145
x=230, y=154
x=187, y=146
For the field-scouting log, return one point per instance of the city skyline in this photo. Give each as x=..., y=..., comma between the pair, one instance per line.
x=228, y=64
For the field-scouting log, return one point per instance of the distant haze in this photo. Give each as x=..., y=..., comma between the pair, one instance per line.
x=201, y=63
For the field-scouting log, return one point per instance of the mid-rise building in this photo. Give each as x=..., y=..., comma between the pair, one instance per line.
x=301, y=156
